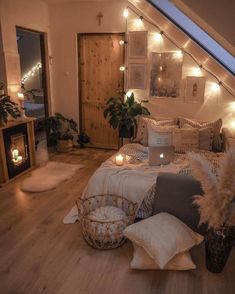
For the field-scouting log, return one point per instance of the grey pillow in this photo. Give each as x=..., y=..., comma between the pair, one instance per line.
x=174, y=194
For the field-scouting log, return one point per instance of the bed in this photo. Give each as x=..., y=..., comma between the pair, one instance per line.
x=136, y=179
x=34, y=110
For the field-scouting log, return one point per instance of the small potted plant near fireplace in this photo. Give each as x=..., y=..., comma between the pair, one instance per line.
x=8, y=108
x=121, y=114
x=216, y=207
x=61, y=132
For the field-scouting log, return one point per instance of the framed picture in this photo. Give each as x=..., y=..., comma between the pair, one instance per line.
x=195, y=88
x=137, y=75
x=166, y=73
x=138, y=44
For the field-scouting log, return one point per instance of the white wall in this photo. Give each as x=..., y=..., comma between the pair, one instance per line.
x=29, y=14
x=67, y=20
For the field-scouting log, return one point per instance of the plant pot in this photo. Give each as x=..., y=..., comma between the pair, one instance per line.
x=124, y=132
x=64, y=146
x=218, y=244
x=2, y=123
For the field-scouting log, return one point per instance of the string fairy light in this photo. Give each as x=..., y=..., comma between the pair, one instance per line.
x=218, y=83
x=31, y=72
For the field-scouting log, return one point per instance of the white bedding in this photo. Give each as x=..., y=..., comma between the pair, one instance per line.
x=135, y=180
x=132, y=180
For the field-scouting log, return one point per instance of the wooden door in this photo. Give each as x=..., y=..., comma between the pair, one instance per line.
x=100, y=56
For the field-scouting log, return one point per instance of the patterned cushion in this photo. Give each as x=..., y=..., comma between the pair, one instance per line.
x=185, y=140
x=159, y=135
x=205, y=137
x=142, y=132
x=216, y=125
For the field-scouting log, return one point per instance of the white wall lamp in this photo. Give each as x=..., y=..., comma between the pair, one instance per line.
x=122, y=68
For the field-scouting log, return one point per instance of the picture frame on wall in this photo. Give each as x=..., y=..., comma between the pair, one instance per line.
x=195, y=89
x=137, y=76
x=166, y=74
x=138, y=44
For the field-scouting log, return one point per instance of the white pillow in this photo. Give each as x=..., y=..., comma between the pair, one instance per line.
x=185, y=139
x=163, y=236
x=141, y=260
x=159, y=135
x=142, y=132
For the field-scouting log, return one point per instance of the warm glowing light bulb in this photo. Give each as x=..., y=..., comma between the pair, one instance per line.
x=125, y=13
x=178, y=54
x=158, y=37
x=196, y=71
x=215, y=87
x=160, y=67
x=128, y=94
x=121, y=42
x=20, y=95
x=122, y=68
x=138, y=23
x=233, y=124
x=232, y=107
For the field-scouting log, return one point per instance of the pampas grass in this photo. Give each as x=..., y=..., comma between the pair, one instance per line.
x=216, y=206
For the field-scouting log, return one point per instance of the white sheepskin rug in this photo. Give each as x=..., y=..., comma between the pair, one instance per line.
x=49, y=176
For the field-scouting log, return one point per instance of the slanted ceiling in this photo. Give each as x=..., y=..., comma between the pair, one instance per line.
x=215, y=17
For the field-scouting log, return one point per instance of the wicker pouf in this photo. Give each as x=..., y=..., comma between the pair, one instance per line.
x=105, y=234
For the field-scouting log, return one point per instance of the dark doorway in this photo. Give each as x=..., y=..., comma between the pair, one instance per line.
x=31, y=48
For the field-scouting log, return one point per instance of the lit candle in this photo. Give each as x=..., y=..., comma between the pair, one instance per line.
x=20, y=158
x=15, y=154
x=119, y=159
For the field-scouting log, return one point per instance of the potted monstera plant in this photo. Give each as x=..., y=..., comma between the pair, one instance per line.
x=122, y=114
x=61, y=132
x=8, y=108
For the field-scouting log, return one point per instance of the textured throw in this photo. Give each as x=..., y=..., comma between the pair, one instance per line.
x=49, y=176
x=135, y=180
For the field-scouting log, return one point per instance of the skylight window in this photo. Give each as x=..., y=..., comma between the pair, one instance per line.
x=196, y=33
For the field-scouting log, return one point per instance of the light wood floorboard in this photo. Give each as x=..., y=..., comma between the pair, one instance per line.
x=39, y=254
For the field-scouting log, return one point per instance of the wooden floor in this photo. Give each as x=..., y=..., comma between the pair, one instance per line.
x=39, y=254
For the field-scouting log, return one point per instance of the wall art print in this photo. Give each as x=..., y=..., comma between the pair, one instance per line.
x=195, y=88
x=138, y=44
x=137, y=75
x=166, y=74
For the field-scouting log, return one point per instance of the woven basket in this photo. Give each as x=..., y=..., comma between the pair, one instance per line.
x=105, y=234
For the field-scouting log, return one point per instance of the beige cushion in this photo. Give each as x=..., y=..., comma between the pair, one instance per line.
x=205, y=137
x=142, y=132
x=163, y=236
x=142, y=261
x=159, y=136
x=228, y=136
x=185, y=139
x=216, y=125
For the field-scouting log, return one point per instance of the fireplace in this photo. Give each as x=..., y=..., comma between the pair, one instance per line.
x=17, y=149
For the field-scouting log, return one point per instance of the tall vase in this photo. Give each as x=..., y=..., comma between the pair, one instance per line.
x=218, y=244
